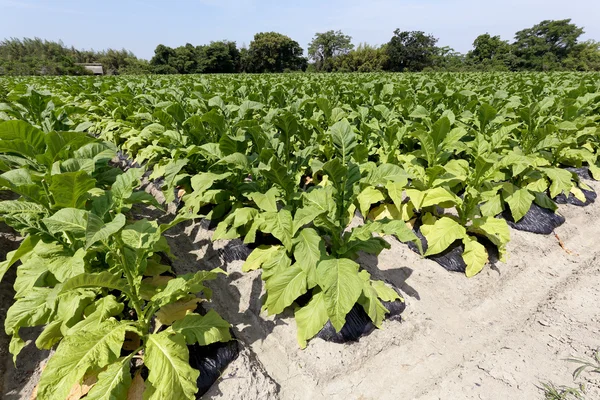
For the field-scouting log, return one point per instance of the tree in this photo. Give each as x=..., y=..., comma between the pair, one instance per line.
x=584, y=57
x=545, y=45
x=411, y=51
x=274, y=52
x=325, y=46
x=160, y=63
x=219, y=57
x=365, y=58
x=487, y=47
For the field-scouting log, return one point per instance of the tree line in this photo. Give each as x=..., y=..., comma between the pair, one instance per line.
x=550, y=45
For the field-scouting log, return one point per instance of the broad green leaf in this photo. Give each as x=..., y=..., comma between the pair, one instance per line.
x=495, y=229
x=284, y=287
x=561, y=181
x=79, y=353
x=305, y=215
x=344, y=139
x=265, y=201
x=98, y=231
x=70, y=189
x=99, y=280
x=341, y=285
x=519, y=202
x=125, y=183
x=204, y=330
x=384, y=292
x=25, y=248
x=419, y=112
x=113, y=383
x=441, y=234
x=141, y=235
x=280, y=225
x=367, y=198
x=260, y=256
x=309, y=249
x=370, y=302
x=69, y=220
x=170, y=375
x=311, y=318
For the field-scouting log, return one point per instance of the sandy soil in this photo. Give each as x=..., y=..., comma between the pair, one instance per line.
x=495, y=336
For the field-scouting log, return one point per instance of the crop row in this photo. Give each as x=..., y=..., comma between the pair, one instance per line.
x=445, y=163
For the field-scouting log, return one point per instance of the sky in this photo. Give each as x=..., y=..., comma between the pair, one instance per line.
x=140, y=26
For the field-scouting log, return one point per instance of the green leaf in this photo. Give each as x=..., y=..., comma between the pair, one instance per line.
x=26, y=247
x=280, y=225
x=97, y=230
x=204, y=330
x=113, y=383
x=344, y=139
x=141, y=235
x=419, y=112
x=103, y=279
x=284, y=287
x=367, y=198
x=69, y=220
x=341, y=286
x=125, y=184
x=21, y=138
x=70, y=189
x=309, y=249
x=475, y=256
x=384, y=292
x=170, y=375
x=311, y=318
x=50, y=335
x=306, y=215
x=265, y=201
x=260, y=256
x=79, y=353
x=561, y=181
x=370, y=302
x=519, y=202
x=441, y=234
x=495, y=229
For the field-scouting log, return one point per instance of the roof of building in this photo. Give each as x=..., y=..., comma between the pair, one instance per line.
x=96, y=69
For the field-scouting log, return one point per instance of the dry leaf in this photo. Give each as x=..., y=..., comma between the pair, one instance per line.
x=137, y=388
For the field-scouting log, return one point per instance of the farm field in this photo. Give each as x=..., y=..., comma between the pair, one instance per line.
x=280, y=220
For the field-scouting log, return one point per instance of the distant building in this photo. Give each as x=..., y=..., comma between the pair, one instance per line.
x=95, y=68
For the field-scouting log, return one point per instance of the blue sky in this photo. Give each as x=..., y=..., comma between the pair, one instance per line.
x=140, y=25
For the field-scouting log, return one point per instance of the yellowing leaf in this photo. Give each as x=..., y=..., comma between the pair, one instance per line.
x=259, y=256
x=475, y=256
x=442, y=234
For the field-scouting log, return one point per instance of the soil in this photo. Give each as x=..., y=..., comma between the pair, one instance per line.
x=498, y=335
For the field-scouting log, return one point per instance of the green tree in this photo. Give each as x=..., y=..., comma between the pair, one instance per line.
x=326, y=46
x=160, y=63
x=411, y=51
x=584, y=57
x=487, y=47
x=274, y=52
x=545, y=45
x=219, y=57
x=365, y=58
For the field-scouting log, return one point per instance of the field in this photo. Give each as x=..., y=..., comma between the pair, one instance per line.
x=283, y=219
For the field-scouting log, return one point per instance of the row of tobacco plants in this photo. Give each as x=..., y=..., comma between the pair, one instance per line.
x=312, y=170
x=96, y=280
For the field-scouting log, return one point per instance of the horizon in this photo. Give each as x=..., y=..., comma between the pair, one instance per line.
x=175, y=24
